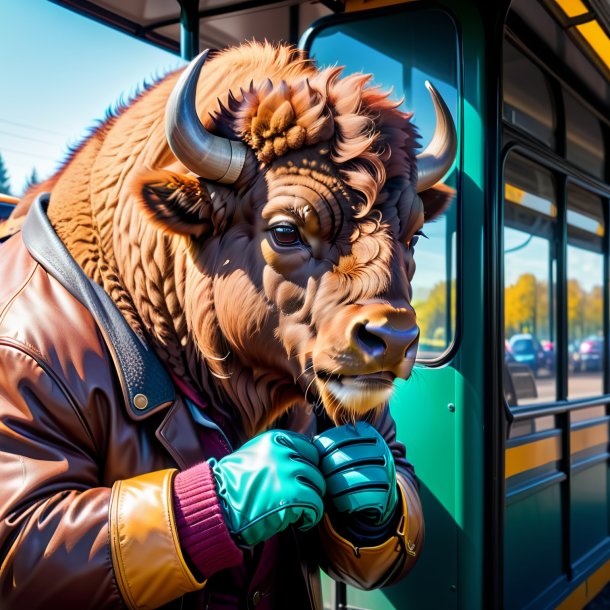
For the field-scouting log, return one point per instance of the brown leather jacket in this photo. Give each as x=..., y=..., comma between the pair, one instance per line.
x=92, y=433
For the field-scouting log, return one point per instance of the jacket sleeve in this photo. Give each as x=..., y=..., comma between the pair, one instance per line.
x=66, y=541
x=382, y=563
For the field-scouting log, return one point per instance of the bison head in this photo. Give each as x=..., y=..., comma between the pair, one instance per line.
x=292, y=217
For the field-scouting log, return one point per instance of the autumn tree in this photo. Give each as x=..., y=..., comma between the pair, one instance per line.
x=520, y=305
x=576, y=301
x=432, y=314
x=585, y=310
x=528, y=302
x=594, y=311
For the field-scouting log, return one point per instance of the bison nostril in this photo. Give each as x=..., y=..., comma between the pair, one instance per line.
x=373, y=345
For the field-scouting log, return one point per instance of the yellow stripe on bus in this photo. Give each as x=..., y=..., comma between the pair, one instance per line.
x=594, y=34
x=587, y=590
x=588, y=437
x=531, y=455
x=538, y=453
x=576, y=600
x=572, y=8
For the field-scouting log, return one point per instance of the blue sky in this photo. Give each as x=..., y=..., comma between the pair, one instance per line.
x=60, y=72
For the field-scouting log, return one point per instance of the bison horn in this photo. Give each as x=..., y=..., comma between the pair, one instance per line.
x=205, y=154
x=434, y=162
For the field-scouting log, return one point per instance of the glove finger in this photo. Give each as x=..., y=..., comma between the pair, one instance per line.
x=301, y=444
x=348, y=480
x=305, y=513
x=364, y=499
x=311, y=514
x=354, y=457
x=347, y=435
x=312, y=478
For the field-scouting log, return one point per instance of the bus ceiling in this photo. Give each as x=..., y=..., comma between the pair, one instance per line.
x=576, y=33
x=185, y=26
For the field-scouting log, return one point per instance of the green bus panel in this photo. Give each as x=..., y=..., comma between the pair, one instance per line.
x=328, y=591
x=426, y=425
x=533, y=546
x=589, y=510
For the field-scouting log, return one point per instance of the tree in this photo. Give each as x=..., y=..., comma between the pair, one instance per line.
x=521, y=306
x=5, y=184
x=594, y=311
x=432, y=315
x=32, y=179
x=576, y=308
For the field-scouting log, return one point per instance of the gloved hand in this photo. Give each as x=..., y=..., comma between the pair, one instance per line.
x=360, y=472
x=268, y=484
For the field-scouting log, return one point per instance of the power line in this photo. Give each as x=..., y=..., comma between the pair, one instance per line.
x=56, y=133
x=27, y=154
x=16, y=135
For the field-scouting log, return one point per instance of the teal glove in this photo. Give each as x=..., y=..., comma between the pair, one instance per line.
x=360, y=472
x=268, y=484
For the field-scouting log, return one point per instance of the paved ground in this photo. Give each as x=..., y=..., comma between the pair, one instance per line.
x=580, y=384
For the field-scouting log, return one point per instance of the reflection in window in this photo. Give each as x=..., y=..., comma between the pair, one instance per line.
x=585, y=142
x=585, y=294
x=529, y=426
x=527, y=97
x=530, y=229
x=403, y=58
x=580, y=415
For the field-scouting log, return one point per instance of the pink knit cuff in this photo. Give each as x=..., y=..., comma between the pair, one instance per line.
x=201, y=526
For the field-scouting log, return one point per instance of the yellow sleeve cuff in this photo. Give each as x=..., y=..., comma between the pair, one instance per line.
x=148, y=562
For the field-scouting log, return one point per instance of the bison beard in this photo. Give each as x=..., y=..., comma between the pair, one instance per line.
x=288, y=287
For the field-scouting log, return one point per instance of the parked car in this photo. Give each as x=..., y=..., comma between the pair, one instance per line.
x=549, y=351
x=589, y=356
x=526, y=349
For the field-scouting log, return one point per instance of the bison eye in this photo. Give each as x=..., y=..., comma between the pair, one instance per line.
x=285, y=235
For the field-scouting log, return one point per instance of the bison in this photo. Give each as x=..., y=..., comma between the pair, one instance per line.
x=263, y=240
x=253, y=220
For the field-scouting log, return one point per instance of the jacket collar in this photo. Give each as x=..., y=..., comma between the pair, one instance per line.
x=146, y=385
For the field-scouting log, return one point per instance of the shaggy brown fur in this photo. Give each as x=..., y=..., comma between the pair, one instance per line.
x=258, y=325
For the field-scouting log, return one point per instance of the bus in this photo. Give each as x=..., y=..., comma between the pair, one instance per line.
x=506, y=415
x=7, y=205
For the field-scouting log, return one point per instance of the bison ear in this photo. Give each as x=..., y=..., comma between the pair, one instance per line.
x=436, y=200
x=174, y=202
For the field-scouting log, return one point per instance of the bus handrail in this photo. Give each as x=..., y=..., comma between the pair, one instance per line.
x=557, y=407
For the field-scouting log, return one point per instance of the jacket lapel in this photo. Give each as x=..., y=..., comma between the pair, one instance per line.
x=178, y=434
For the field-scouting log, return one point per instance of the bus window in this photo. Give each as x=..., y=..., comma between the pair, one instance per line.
x=585, y=278
x=527, y=97
x=530, y=229
x=402, y=54
x=585, y=141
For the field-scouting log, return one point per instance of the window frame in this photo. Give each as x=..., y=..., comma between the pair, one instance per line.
x=555, y=160
x=561, y=171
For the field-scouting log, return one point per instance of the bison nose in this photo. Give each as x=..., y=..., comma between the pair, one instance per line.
x=385, y=335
